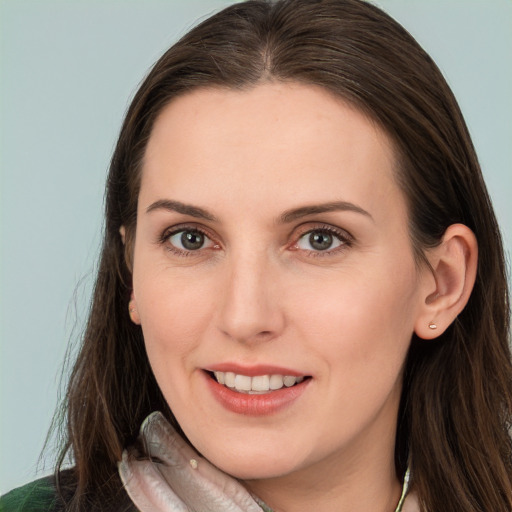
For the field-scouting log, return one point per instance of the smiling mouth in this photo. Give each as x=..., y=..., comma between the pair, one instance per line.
x=257, y=385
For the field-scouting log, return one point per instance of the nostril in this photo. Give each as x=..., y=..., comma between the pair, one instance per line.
x=264, y=334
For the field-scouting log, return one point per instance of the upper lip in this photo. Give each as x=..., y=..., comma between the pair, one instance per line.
x=254, y=370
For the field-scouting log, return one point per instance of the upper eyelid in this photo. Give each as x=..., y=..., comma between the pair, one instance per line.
x=321, y=226
x=172, y=230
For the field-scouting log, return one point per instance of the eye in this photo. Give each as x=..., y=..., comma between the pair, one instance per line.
x=320, y=240
x=187, y=240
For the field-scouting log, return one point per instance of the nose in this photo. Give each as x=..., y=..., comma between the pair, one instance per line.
x=250, y=307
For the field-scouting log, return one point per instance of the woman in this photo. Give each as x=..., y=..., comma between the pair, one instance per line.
x=302, y=271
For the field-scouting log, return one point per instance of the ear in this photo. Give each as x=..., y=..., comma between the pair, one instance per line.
x=132, y=309
x=127, y=240
x=453, y=269
x=132, y=305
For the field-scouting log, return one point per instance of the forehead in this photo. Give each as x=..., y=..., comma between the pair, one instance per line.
x=274, y=138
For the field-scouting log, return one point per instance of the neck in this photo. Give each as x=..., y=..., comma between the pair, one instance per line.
x=356, y=480
x=357, y=492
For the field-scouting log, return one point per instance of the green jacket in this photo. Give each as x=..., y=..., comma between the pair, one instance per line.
x=37, y=496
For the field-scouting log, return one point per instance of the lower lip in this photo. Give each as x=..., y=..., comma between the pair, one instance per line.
x=255, y=405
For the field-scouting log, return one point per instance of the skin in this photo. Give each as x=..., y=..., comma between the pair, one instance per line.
x=258, y=293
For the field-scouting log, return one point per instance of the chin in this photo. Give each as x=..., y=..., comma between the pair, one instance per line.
x=252, y=473
x=252, y=467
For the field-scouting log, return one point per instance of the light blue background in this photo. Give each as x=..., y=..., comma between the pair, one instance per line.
x=67, y=71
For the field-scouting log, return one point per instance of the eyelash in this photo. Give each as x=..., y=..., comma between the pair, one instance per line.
x=166, y=235
x=345, y=239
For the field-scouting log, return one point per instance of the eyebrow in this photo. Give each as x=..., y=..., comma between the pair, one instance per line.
x=185, y=209
x=337, y=206
x=285, y=218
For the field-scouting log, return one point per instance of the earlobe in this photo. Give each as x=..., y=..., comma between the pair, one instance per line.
x=122, y=232
x=453, y=266
x=132, y=310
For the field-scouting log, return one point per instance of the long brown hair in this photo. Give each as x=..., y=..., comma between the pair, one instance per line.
x=455, y=412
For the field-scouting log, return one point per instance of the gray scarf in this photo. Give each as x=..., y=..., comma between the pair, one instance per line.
x=168, y=475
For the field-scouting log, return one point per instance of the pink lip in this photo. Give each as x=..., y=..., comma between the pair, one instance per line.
x=255, y=405
x=254, y=370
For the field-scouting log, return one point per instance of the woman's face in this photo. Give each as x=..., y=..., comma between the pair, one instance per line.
x=272, y=241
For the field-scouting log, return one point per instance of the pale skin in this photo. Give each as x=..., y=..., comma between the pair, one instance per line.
x=256, y=291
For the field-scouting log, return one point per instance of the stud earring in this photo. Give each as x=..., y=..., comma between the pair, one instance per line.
x=432, y=326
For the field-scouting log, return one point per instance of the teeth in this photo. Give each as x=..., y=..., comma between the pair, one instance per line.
x=243, y=383
x=229, y=379
x=276, y=382
x=258, y=384
x=289, y=381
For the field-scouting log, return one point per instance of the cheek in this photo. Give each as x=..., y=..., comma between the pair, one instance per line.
x=358, y=329
x=361, y=320
x=174, y=314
